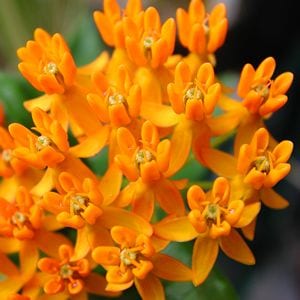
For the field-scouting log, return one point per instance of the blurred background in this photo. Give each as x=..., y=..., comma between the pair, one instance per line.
x=258, y=29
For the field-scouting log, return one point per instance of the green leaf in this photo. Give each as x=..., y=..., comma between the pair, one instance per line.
x=216, y=287
x=14, y=90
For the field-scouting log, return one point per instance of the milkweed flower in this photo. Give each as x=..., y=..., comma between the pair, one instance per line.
x=202, y=33
x=9, y=164
x=261, y=97
x=71, y=276
x=213, y=220
x=47, y=63
x=25, y=229
x=134, y=260
x=145, y=165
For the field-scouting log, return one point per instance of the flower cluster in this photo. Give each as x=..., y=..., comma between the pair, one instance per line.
x=76, y=232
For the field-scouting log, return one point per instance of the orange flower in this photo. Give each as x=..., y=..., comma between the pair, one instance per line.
x=118, y=102
x=20, y=219
x=71, y=275
x=200, y=32
x=262, y=95
x=260, y=166
x=9, y=165
x=256, y=168
x=211, y=221
x=47, y=63
x=79, y=202
x=44, y=150
x=152, y=43
x=134, y=260
x=109, y=22
x=145, y=165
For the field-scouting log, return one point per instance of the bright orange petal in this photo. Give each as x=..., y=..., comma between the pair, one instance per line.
x=205, y=253
x=169, y=268
x=272, y=199
x=113, y=216
x=150, y=288
x=236, y=248
x=177, y=229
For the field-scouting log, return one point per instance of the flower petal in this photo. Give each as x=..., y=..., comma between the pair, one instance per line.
x=169, y=268
x=236, y=248
x=177, y=229
x=272, y=199
x=205, y=253
x=150, y=288
x=113, y=216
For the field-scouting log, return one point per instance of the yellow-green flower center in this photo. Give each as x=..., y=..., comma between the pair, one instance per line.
x=262, y=164
x=143, y=156
x=127, y=256
x=78, y=203
x=193, y=93
x=116, y=99
x=51, y=68
x=42, y=142
x=6, y=155
x=66, y=271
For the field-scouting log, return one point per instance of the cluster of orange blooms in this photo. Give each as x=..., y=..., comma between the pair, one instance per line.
x=152, y=110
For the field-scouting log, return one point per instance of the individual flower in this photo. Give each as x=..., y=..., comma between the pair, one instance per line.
x=134, y=260
x=145, y=164
x=261, y=97
x=25, y=230
x=109, y=22
x=254, y=171
x=260, y=93
x=77, y=204
x=9, y=165
x=202, y=33
x=47, y=63
x=71, y=276
x=260, y=166
x=213, y=220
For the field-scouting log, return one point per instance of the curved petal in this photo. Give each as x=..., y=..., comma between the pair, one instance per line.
x=177, y=229
x=248, y=214
x=223, y=164
x=43, y=237
x=150, y=288
x=272, y=199
x=92, y=144
x=110, y=184
x=169, y=197
x=180, y=147
x=236, y=248
x=113, y=216
x=205, y=253
x=169, y=268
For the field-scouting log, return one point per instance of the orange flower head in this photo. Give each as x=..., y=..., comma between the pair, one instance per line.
x=129, y=259
x=116, y=103
x=200, y=32
x=46, y=62
x=109, y=22
x=149, y=159
x=262, y=95
x=261, y=166
x=66, y=272
x=44, y=150
x=9, y=165
x=198, y=98
x=78, y=203
x=21, y=218
x=213, y=213
x=151, y=43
